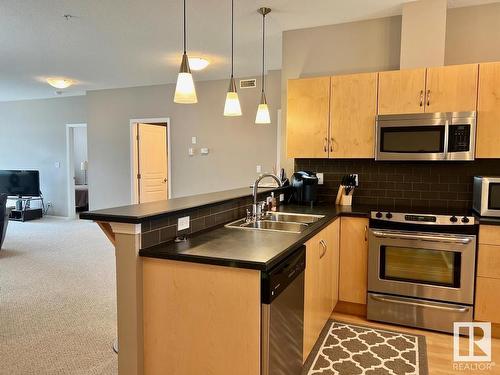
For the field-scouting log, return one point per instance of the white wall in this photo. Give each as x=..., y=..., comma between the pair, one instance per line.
x=236, y=145
x=80, y=153
x=33, y=136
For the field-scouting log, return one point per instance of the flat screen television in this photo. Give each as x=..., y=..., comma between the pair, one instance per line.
x=20, y=183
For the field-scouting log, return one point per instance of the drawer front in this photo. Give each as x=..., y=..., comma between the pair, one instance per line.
x=487, y=297
x=489, y=234
x=488, y=264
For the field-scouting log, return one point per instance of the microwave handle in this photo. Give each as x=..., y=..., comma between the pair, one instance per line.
x=446, y=137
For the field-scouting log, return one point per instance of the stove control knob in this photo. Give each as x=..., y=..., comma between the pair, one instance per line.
x=388, y=215
x=465, y=220
x=453, y=219
x=378, y=215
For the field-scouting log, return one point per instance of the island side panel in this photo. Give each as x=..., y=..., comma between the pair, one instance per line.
x=129, y=298
x=200, y=319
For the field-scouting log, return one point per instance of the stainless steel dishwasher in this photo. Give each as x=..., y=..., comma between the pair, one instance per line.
x=283, y=316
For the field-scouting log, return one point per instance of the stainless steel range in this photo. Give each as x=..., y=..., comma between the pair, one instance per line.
x=421, y=269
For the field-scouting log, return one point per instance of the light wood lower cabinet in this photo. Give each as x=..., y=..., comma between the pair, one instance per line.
x=200, y=319
x=488, y=275
x=487, y=297
x=353, y=259
x=321, y=282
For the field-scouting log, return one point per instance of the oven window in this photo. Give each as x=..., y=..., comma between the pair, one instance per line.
x=434, y=267
x=412, y=139
x=494, y=196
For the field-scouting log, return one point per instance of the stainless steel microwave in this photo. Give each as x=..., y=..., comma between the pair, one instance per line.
x=486, y=196
x=426, y=136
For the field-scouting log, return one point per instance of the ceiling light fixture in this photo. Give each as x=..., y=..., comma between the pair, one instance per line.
x=185, y=92
x=198, y=63
x=60, y=83
x=232, y=106
x=262, y=116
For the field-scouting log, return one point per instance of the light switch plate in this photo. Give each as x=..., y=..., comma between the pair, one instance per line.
x=193, y=140
x=259, y=169
x=191, y=151
x=183, y=223
x=57, y=164
x=204, y=151
x=320, y=178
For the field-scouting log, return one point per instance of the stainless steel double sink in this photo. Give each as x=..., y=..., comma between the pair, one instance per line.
x=278, y=222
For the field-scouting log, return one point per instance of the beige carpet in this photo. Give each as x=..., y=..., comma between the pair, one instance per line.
x=57, y=299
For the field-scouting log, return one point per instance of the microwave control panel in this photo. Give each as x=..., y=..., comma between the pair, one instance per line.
x=459, y=138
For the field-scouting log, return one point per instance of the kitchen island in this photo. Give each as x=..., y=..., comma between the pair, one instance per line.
x=194, y=306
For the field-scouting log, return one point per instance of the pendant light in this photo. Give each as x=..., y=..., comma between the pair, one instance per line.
x=263, y=116
x=232, y=106
x=185, y=92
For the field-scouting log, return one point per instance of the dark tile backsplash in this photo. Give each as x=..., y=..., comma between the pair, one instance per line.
x=164, y=229
x=421, y=185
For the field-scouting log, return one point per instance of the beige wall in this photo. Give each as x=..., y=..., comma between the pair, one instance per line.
x=33, y=136
x=423, y=33
x=473, y=34
x=236, y=145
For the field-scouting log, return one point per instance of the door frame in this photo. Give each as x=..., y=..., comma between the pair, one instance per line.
x=70, y=170
x=134, y=167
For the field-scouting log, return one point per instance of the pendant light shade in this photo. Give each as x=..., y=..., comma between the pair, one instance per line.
x=185, y=91
x=263, y=116
x=232, y=106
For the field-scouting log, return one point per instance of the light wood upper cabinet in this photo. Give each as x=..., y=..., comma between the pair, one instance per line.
x=401, y=91
x=353, y=259
x=451, y=88
x=321, y=282
x=488, y=117
x=308, y=102
x=352, y=115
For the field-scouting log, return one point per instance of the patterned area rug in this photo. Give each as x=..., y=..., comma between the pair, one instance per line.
x=348, y=349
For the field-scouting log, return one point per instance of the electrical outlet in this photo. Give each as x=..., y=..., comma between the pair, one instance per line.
x=320, y=178
x=183, y=223
x=282, y=197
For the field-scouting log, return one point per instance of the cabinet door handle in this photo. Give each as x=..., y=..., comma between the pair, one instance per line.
x=421, y=98
x=366, y=233
x=428, y=97
x=324, y=145
x=323, y=243
x=331, y=144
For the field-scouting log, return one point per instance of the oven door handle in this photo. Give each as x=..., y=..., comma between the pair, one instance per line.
x=422, y=237
x=379, y=298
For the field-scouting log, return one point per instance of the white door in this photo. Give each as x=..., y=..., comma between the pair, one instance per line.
x=152, y=162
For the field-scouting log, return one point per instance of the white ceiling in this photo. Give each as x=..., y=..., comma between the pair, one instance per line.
x=122, y=43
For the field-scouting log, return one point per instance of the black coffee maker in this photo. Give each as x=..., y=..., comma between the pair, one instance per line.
x=304, y=187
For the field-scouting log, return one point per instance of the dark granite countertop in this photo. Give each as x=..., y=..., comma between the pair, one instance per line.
x=138, y=213
x=253, y=249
